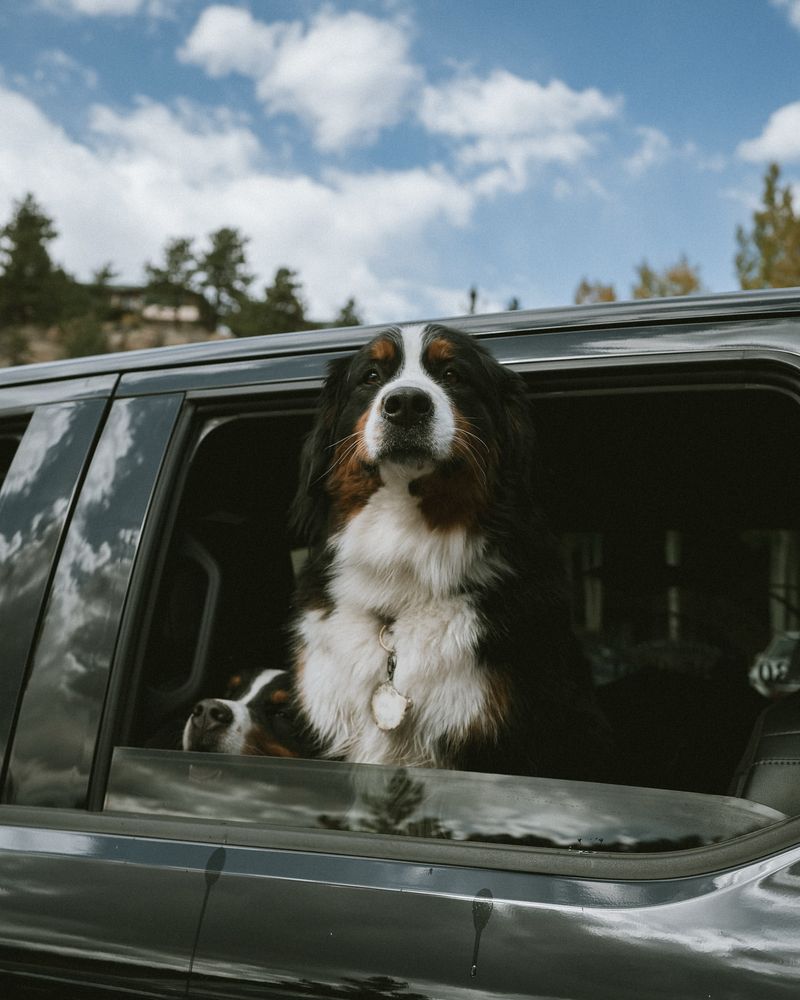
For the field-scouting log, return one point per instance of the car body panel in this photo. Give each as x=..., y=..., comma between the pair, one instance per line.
x=252, y=922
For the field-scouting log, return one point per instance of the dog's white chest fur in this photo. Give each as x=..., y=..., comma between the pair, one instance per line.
x=388, y=564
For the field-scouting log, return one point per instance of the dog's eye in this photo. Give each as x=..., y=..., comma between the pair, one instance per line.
x=372, y=376
x=451, y=376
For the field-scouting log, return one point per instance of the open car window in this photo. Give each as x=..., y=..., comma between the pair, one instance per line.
x=679, y=517
x=11, y=432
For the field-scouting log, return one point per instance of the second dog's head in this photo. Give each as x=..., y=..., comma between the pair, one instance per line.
x=259, y=722
x=423, y=406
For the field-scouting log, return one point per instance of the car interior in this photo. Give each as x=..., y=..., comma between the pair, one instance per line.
x=10, y=437
x=679, y=515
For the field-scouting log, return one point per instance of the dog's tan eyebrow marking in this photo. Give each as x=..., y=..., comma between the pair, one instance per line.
x=439, y=349
x=384, y=349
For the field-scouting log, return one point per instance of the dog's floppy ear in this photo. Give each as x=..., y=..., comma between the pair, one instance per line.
x=311, y=503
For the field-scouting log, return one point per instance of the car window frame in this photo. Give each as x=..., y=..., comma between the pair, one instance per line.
x=634, y=373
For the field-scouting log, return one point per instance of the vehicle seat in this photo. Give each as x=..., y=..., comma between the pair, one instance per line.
x=769, y=771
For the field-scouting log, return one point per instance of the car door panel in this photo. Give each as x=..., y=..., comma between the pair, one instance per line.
x=284, y=924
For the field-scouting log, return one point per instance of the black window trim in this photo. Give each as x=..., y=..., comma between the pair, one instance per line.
x=19, y=400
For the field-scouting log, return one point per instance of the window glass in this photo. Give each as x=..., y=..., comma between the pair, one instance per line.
x=53, y=747
x=679, y=514
x=425, y=802
x=45, y=456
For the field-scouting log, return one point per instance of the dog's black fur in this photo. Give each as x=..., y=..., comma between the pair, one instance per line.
x=538, y=692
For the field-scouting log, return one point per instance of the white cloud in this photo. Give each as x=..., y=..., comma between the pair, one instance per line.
x=186, y=143
x=56, y=69
x=655, y=147
x=506, y=120
x=792, y=8
x=504, y=105
x=780, y=139
x=110, y=8
x=155, y=172
x=347, y=76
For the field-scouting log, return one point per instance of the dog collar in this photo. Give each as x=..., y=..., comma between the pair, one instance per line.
x=389, y=706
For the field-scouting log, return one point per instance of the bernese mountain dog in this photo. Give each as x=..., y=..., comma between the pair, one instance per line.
x=259, y=721
x=433, y=614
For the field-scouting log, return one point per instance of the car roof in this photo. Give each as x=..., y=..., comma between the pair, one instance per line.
x=642, y=314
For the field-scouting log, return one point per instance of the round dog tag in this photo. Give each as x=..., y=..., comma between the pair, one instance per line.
x=388, y=706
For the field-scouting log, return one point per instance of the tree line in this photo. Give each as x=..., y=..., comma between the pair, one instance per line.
x=768, y=254
x=35, y=292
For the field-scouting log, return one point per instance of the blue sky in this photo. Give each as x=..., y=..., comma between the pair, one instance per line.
x=403, y=151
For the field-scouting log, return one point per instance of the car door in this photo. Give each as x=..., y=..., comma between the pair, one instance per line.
x=148, y=869
x=331, y=881
x=80, y=916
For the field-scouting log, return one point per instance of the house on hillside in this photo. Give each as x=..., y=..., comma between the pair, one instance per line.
x=138, y=300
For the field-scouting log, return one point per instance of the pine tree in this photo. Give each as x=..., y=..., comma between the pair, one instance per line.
x=171, y=283
x=590, y=292
x=769, y=255
x=679, y=279
x=348, y=315
x=32, y=289
x=225, y=273
x=285, y=309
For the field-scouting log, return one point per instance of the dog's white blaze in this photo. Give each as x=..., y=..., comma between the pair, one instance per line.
x=234, y=739
x=260, y=681
x=411, y=374
x=388, y=563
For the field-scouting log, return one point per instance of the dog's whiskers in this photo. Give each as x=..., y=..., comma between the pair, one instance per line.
x=342, y=440
x=476, y=461
x=346, y=454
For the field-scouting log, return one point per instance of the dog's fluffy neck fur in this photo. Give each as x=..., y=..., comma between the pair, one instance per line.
x=386, y=558
x=387, y=565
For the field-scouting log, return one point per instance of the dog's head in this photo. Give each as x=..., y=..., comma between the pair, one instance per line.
x=259, y=722
x=425, y=406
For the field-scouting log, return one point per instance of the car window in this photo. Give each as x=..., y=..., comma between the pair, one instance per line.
x=679, y=516
x=42, y=455
x=53, y=747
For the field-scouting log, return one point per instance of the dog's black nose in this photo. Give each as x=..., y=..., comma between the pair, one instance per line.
x=211, y=714
x=406, y=407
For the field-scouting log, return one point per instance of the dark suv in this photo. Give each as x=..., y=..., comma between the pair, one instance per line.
x=146, y=563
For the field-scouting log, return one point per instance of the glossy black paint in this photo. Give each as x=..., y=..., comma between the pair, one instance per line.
x=147, y=905
x=281, y=924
